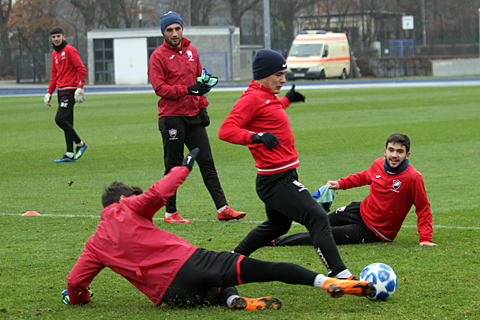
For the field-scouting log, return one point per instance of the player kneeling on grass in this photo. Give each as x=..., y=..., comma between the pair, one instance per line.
x=170, y=270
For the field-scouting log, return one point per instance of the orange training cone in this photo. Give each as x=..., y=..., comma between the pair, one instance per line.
x=30, y=213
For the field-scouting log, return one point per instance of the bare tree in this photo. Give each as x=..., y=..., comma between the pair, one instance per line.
x=32, y=21
x=130, y=11
x=238, y=8
x=200, y=12
x=282, y=14
x=6, y=62
x=87, y=9
x=235, y=10
x=109, y=13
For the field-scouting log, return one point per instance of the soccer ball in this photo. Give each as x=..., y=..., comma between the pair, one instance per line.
x=383, y=278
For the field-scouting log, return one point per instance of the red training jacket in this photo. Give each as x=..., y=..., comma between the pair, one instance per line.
x=390, y=199
x=68, y=71
x=260, y=110
x=128, y=242
x=171, y=70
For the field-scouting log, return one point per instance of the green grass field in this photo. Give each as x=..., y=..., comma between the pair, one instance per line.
x=337, y=132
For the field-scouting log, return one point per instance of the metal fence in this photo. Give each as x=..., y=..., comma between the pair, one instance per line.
x=401, y=48
x=30, y=68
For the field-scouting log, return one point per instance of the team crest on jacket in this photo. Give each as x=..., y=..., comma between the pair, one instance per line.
x=396, y=185
x=190, y=55
x=173, y=134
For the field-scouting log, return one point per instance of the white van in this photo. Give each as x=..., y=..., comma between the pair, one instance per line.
x=317, y=54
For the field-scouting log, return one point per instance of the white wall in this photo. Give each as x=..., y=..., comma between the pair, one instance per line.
x=131, y=65
x=456, y=67
x=131, y=52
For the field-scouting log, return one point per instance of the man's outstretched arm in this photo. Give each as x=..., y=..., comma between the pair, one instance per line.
x=148, y=203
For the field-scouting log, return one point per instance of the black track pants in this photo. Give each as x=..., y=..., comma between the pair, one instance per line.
x=209, y=277
x=179, y=131
x=347, y=228
x=64, y=117
x=287, y=200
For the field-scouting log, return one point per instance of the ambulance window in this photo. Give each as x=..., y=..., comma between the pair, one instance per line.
x=325, y=51
x=305, y=50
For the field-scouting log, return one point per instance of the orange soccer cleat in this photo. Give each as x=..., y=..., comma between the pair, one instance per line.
x=336, y=288
x=264, y=303
x=175, y=218
x=230, y=214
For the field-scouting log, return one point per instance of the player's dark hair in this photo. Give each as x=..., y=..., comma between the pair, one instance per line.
x=56, y=30
x=400, y=138
x=113, y=192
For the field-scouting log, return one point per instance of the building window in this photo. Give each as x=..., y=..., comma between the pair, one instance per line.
x=104, y=68
x=152, y=44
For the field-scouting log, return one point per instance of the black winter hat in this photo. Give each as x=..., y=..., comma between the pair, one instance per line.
x=266, y=62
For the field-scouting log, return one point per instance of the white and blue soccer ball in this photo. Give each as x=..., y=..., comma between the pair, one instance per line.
x=383, y=278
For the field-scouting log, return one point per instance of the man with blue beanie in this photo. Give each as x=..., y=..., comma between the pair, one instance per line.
x=259, y=121
x=169, y=18
x=182, y=112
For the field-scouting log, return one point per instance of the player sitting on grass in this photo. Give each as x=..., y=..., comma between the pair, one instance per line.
x=170, y=270
x=395, y=186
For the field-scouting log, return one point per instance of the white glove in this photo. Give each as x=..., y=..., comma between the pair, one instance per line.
x=47, y=99
x=79, y=95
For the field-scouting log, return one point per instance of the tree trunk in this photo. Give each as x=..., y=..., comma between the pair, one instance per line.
x=6, y=60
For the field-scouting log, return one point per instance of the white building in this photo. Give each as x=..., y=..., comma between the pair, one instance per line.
x=120, y=56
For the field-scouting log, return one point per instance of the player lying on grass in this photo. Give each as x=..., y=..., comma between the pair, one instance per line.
x=170, y=270
x=395, y=186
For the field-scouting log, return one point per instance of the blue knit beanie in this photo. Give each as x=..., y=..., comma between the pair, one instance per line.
x=266, y=62
x=169, y=18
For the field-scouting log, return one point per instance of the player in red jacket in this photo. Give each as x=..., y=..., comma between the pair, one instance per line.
x=395, y=186
x=182, y=112
x=68, y=75
x=170, y=270
x=259, y=120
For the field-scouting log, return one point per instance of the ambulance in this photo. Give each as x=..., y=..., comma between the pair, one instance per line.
x=318, y=54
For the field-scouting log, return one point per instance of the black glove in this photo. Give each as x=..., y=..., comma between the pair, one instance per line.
x=204, y=117
x=189, y=160
x=198, y=89
x=294, y=96
x=267, y=138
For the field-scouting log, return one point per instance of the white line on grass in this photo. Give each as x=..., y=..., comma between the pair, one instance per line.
x=207, y=220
